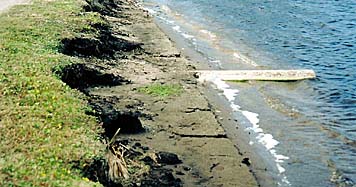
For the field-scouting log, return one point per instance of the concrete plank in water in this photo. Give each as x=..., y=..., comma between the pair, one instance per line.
x=262, y=75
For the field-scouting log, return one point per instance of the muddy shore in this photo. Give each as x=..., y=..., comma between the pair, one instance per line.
x=178, y=136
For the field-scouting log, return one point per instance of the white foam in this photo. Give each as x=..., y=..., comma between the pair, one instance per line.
x=151, y=11
x=167, y=21
x=279, y=158
x=230, y=94
x=176, y=28
x=187, y=36
x=170, y=22
x=267, y=140
x=208, y=33
x=280, y=168
x=244, y=59
x=166, y=9
x=255, y=129
x=252, y=117
x=235, y=107
x=285, y=180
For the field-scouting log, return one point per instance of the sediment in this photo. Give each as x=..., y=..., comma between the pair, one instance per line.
x=178, y=137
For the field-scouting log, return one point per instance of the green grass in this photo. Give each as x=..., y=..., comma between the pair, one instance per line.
x=43, y=125
x=162, y=90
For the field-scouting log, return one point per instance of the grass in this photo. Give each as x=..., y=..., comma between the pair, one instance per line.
x=162, y=90
x=43, y=125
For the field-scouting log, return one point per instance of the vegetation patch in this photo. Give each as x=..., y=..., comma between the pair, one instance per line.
x=43, y=124
x=162, y=90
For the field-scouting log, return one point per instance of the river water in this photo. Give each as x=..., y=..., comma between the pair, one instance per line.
x=305, y=130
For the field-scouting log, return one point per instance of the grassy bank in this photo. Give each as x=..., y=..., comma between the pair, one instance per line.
x=43, y=127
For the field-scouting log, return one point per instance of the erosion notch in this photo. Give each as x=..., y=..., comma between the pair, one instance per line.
x=104, y=46
x=82, y=76
x=127, y=121
x=112, y=42
x=82, y=46
x=104, y=7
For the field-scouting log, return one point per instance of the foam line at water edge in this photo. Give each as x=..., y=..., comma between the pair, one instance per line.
x=267, y=140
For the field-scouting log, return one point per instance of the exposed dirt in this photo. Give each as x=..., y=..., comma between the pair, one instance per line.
x=104, y=45
x=83, y=76
x=127, y=121
x=105, y=7
x=177, y=137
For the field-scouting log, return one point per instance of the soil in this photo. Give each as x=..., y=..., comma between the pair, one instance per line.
x=83, y=76
x=178, y=137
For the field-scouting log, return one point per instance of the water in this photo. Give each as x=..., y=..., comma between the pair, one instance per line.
x=306, y=129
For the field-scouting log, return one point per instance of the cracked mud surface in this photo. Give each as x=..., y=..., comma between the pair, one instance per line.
x=191, y=148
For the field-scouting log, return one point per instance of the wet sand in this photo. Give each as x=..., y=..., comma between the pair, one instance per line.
x=184, y=124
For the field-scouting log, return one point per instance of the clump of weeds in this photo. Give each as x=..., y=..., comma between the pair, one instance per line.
x=162, y=90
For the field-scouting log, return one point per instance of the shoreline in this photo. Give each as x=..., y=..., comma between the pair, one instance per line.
x=184, y=121
x=285, y=107
x=225, y=115
x=273, y=113
x=156, y=127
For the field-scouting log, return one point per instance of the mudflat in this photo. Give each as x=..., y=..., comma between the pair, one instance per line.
x=149, y=103
x=157, y=93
